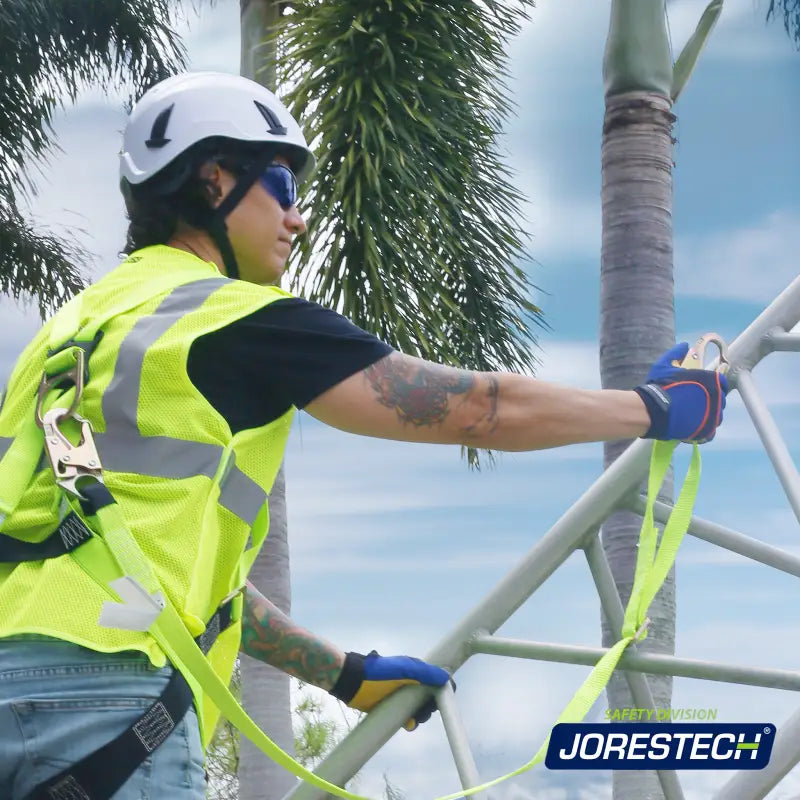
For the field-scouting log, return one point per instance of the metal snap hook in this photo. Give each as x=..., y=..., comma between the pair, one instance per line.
x=695, y=358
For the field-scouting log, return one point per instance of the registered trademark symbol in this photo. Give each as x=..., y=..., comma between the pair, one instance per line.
x=767, y=730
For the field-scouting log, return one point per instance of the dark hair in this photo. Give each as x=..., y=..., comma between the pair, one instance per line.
x=155, y=207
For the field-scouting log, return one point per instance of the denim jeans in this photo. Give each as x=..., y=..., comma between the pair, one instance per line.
x=59, y=702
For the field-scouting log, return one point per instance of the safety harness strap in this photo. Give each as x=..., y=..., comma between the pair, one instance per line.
x=70, y=533
x=99, y=775
x=114, y=560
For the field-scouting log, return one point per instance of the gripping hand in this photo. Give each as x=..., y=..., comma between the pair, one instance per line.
x=683, y=404
x=366, y=680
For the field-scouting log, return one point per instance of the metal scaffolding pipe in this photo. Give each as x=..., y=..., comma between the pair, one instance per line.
x=772, y=440
x=615, y=613
x=457, y=737
x=653, y=663
x=747, y=785
x=587, y=514
x=781, y=341
x=728, y=539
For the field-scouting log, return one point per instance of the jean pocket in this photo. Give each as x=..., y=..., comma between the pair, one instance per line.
x=60, y=732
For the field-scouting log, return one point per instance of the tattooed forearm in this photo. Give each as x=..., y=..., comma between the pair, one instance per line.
x=487, y=422
x=423, y=394
x=270, y=636
x=418, y=391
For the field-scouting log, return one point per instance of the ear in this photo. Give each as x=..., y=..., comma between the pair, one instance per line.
x=212, y=179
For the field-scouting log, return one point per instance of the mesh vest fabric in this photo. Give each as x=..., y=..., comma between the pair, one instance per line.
x=193, y=494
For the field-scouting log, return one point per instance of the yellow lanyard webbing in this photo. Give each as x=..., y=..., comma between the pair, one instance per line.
x=115, y=553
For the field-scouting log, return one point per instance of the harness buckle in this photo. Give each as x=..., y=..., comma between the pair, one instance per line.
x=695, y=357
x=70, y=462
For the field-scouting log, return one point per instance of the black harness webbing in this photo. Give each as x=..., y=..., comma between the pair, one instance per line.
x=70, y=533
x=99, y=775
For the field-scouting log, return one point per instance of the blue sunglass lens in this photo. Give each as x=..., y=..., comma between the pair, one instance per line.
x=280, y=182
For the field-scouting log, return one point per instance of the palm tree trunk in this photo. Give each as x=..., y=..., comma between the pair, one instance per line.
x=258, y=58
x=637, y=324
x=265, y=690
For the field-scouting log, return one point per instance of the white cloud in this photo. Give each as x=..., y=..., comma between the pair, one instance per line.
x=771, y=643
x=212, y=37
x=344, y=563
x=570, y=363
x=562, y=226
x=78, y=189
x=753, y=263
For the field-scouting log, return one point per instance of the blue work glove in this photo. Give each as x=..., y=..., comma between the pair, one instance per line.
x=366, y=680
x=683, y=404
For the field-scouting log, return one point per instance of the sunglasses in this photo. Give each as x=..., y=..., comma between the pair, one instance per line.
x=281, y=183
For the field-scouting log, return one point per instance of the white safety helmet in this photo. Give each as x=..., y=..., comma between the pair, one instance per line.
x=186, y=109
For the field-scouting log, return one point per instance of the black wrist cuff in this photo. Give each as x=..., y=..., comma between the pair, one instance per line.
x=350, y=678
x=656, y=401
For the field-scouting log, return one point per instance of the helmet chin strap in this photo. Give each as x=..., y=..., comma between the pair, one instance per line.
x=216, y=225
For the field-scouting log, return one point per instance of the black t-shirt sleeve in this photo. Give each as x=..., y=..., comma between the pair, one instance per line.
x=285, y=354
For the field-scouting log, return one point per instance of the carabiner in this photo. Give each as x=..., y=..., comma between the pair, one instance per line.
x=70, y=462
x=695, y=358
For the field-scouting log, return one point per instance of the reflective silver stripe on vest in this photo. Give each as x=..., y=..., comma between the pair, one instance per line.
x=237, y=490
x=162, y=457
x=121, y=398
x=158, y=456
x=124, y=449
x=5, y=443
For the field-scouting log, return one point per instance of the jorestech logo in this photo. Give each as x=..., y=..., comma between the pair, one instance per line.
x=662, y=745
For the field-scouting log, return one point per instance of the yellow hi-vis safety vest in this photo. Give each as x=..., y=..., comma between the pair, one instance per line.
x=193, y=494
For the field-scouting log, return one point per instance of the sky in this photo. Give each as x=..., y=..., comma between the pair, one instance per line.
x=392, y=543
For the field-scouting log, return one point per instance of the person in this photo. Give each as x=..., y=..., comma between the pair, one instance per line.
x=186, y=363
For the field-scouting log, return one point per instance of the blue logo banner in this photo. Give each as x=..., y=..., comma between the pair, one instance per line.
x=663, y=745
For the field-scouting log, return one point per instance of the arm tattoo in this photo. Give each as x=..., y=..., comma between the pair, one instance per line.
x=490, y=421
x=418, y=391
x=271, y=636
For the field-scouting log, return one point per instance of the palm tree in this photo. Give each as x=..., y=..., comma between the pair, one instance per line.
x=637, y=295
x=266, y=690
x=58, y=48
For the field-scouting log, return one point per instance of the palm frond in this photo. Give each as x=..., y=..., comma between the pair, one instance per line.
x=790, y=11
x=36, y=264
x=49, y=49
x=411, y=211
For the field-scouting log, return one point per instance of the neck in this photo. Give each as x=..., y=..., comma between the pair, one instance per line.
x=198, y=243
